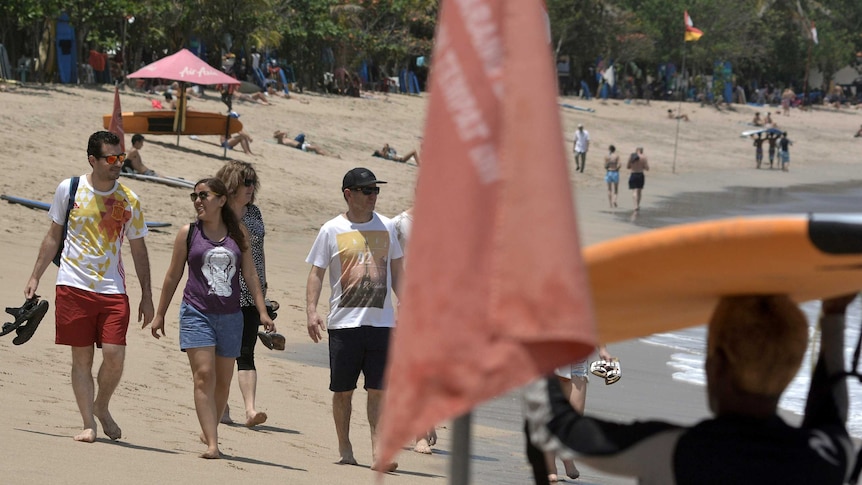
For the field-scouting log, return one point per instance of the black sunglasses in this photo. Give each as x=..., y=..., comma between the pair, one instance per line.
x=249, y=182
x=367, y=190
x=203, y=195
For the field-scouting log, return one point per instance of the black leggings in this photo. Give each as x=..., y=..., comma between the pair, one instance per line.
x=250, y=324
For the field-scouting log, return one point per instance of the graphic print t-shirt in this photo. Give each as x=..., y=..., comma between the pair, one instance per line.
x=214, y=274
x=98, y=223
x=358, y=257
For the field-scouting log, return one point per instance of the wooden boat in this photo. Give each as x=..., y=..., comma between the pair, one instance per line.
x=162, y=123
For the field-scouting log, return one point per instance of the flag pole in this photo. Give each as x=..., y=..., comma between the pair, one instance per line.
x=459, y=466
x=807, y=65
x=679, y=112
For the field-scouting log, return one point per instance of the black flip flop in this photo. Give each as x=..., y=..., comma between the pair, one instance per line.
x=21, y=315
x=33, y=319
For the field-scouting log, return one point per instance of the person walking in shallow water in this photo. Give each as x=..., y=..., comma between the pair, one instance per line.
x=92, y=308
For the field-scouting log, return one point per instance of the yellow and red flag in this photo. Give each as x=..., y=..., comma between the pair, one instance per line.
x=496, y=292
x=116, y=125
x=691, y=33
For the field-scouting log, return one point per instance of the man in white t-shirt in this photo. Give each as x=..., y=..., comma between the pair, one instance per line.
x=92, y=308
x=582, y=145
x=365, y=262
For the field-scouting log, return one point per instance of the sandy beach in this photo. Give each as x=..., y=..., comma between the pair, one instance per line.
x=44, y=130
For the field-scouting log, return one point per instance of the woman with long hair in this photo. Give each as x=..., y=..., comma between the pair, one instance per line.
x=216, y=249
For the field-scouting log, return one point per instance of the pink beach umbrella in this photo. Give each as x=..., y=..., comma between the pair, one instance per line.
x=184, y=67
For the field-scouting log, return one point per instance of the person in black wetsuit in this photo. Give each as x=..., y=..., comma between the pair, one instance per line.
x=754, y=348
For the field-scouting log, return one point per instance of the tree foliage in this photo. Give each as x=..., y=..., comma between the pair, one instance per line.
x=765, y=40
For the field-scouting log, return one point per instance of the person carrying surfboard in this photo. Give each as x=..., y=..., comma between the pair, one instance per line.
x=755, y=346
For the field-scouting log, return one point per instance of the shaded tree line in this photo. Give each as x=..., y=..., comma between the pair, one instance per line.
x=767, y=41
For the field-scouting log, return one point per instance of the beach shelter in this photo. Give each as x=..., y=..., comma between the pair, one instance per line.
x=183, y=67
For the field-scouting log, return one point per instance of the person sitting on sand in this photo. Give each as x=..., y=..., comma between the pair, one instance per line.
x=757, y=121
x=755, y=345
x=768, y=121
x=670, y=115
x=133, y=162
x=389, y=153
x=300, y=143
x=242, y=138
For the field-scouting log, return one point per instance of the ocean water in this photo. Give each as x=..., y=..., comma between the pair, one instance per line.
x=687, y=362
x=690, y=344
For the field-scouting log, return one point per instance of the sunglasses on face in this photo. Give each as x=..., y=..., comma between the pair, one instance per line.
x=112, y=159
x=367, y=190
x=203, y=195
x=249, y=182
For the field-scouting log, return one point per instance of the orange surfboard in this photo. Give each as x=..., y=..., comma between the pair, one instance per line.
x=671, y=278
x=162, y=123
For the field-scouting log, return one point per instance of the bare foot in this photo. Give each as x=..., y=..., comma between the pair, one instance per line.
x=256, y=419
x=391, y=467
x=108, y=425
x=347, y=457
x=552, y=477
x=422, y=446
x=86, y=436
x=225, y=418
x=211, y=454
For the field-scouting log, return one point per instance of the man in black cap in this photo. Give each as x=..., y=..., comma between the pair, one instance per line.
x=365, y=262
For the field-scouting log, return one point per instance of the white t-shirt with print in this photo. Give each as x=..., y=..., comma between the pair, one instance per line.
x=98, y=224
x=358, y=257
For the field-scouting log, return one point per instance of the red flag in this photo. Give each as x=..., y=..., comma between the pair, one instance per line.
x=691, y=33
x=116, y=125
x=495, y=291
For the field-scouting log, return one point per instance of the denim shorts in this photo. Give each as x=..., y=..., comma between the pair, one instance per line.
x=222, y=331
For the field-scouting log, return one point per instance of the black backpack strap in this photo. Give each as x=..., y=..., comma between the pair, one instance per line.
x=73, y=189
x=189, y=238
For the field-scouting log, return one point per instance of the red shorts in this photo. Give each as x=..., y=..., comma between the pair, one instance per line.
x=84, y=318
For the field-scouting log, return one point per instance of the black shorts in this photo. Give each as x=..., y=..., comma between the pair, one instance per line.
x=636, y=180
x=355, y=350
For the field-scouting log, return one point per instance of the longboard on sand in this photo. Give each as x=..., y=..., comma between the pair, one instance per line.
x=162, y=123
x=671, y=278
x=577, y=108
x=172, y=181
x=36, y=204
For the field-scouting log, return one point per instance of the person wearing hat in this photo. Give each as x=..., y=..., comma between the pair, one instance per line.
x=133, y=162
x=582, y=144
x=364, y=258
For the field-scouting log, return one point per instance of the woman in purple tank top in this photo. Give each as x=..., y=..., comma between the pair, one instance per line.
x=216, y=250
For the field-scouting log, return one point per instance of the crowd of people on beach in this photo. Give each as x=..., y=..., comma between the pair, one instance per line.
x=225, y=304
